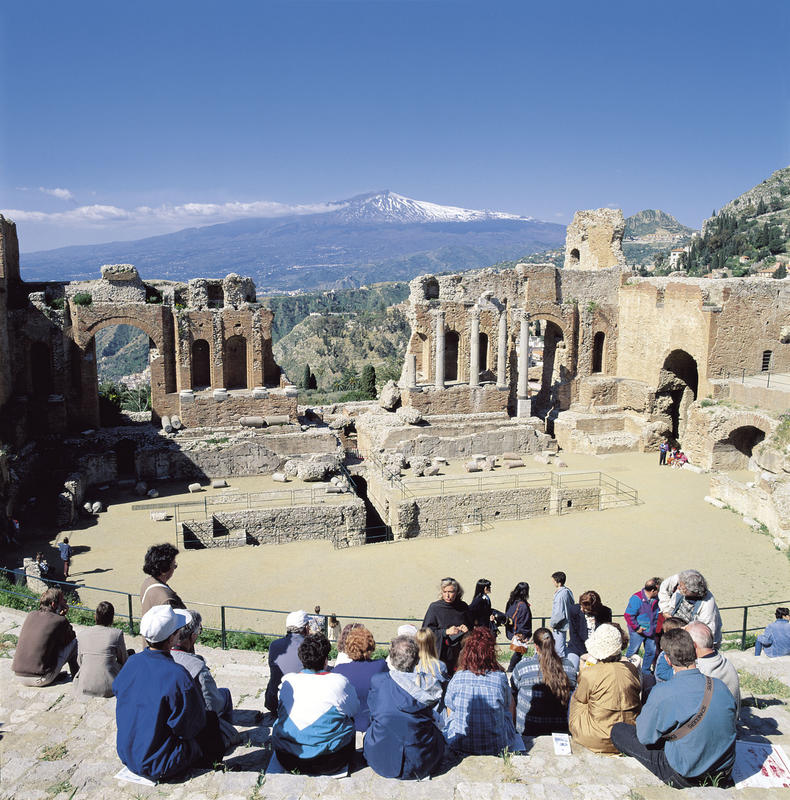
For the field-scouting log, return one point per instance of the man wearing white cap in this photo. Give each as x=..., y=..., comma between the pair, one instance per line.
x=163, y=725
x=284, y=655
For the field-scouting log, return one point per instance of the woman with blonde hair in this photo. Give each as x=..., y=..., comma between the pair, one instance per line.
x=542, y=686
x=449, y=619
x=428, y=663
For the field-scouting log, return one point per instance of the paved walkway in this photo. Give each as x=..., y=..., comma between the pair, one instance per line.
x=57, y=747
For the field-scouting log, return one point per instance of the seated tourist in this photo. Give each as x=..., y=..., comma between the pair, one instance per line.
x=359, y=647
x=608, y=692
x=314, y=731
x=161, y=718
x=217, y=700
x=101, y=654
x=42, y=564
x=333, y=628
x=585, y=617
x=542, y=686
x=711, y=662
x=342, y=657
x=403, y=740
x=478, y=717
x=680, y=459
x=46, y=642
x=775, y=639
x=160, y=566
x=284, y=655
x=679, y=753
x=428, y=663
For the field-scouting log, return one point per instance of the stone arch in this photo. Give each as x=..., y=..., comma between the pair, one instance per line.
x=678, y=382
x=420, y=348
x=234, y=359
x=201, y=364
x=734, y=451
x=452, y=341
x=598, y=360
x=574, y=258
x=553, y=366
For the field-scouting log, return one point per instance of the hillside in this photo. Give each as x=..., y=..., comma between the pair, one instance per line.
x=337, y=346
x=120, y=350
x=750, y=233
x=654, y=225
x=373, y=237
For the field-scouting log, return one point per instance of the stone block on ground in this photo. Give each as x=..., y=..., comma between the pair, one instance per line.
x=280, y=477
x=472, y=466
x=194, y=487
x=752, y=523
x=219, y=483
x=714, y=501
x=511, y=457
x=159, y=516
x=152, y=493
x=390, y=396
x=431, y=471
x=88, y=508
x=97, y=507
x=512, y=463
x=141, y=487
x=409, y=415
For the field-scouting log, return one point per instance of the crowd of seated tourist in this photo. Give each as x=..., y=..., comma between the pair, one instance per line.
x=440, y=693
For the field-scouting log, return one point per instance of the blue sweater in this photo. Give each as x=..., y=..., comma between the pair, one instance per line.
x=710, y=747
x=158, y=714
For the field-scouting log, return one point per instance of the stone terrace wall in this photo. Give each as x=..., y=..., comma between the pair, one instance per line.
x=433, y=514
x=342, y=524
x=456, y=400
x=205, y=409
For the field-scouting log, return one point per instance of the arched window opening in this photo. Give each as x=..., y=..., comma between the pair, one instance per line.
x=451, y=340
x=483, y=363
x=575, y=256
x=125, y=452
x=766, y=364
x=235, y=361
x=597, y=355
x=431, y=287
x=734, y=452
x=201, y=366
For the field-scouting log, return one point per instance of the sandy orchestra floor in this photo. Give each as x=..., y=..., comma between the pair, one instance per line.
x=611, y=551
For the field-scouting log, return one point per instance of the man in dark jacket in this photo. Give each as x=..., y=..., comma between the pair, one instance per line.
x=641, y=616
x=284, y=656
x=403, y=741
x=46, y=642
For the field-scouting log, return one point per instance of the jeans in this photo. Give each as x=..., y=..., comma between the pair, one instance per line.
x=635, y=641
x=559, y=643
x=625, y=740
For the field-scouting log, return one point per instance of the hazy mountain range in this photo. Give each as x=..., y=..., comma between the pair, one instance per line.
x=371, y=237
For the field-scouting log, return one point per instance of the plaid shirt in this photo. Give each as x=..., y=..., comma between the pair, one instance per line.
x=479, y=720
x=538, y=711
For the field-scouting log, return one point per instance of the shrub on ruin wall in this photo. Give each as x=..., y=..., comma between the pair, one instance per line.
x=82, y=298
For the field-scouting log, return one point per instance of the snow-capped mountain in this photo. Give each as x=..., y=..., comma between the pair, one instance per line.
x=372, y=237
x=389, y=206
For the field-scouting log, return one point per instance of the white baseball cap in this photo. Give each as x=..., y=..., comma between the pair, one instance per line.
x=296, y=619
x=161, y=622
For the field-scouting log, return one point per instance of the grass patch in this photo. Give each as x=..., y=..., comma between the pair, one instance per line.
x=754, y=684
x=61, y=787
x=735, y=644
x=7, y=644
x=53, y=753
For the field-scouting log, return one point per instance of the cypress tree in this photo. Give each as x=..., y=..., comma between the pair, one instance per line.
x=306, y=376
x=369, y=381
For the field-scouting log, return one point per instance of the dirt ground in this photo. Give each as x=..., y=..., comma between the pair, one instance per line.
x=611, y=551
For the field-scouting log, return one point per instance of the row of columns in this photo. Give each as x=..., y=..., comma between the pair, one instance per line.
x=474, y=355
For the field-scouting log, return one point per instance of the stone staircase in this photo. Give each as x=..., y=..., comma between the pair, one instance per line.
x=56, y=746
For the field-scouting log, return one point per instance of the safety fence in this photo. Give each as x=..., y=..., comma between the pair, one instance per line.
x=738, y=620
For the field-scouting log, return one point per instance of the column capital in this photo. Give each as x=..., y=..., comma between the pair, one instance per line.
x=474, y=311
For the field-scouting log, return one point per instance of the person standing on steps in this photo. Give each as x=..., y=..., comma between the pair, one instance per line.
x=560, y=611
x=65, y=556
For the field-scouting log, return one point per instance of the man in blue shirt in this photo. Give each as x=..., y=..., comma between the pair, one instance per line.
x=560, y=612
x=683, y=736
x=65, y=556
x=775, y=639
x=163, y=725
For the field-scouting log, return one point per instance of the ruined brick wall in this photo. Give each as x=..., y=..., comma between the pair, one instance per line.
x=594, y=240
x=457, y=400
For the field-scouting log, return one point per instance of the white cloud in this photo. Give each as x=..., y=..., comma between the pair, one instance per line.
x=169, y=215
x=61, y=194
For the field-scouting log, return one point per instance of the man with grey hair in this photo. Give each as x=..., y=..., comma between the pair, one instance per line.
x=686, y=595
x=284, y=656
x=217, y=700
x=711, y=662
x=403, y=740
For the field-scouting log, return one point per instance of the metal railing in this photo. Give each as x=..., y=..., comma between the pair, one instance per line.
x=220, y=617
x=767, y=378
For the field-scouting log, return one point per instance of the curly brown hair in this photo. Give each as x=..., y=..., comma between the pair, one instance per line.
x=360, y=644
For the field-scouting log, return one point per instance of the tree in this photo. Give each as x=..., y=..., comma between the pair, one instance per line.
x=368, y=381
x=781, y=272
x=306, y=376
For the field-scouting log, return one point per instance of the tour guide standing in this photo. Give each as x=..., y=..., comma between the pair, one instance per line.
x=163, y=725
x=65, y=556
x=685, y=734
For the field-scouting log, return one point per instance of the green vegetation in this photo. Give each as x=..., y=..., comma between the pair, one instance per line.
x=120, y=350
x=82, y=298
x=754, y=684
x=58, y=303
x=368, y=382
x=781, y=436
x=115, y=397
x=7, y=643
x=53, y=752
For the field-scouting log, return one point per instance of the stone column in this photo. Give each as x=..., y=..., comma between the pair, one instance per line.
x=501, y=361
x=474, y=348
x=411, y=371
x=523, y=408
x=439, y=342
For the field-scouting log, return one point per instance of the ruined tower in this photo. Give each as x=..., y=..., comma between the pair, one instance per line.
x=594, y=240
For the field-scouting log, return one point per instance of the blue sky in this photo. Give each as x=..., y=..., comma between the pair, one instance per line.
x=150, y=117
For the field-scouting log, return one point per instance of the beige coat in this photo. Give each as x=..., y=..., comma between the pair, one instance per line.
x=607, y=692
x=155, y=593
x=101, y=653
